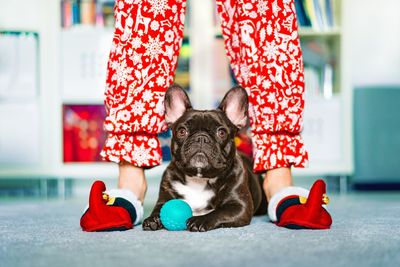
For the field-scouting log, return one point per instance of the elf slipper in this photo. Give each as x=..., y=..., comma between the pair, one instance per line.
x=298, y=208
x=113, y=210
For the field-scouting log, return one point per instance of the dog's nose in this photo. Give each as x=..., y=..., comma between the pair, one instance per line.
x=202, y=139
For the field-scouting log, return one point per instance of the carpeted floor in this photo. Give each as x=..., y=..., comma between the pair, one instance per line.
x=366, y=232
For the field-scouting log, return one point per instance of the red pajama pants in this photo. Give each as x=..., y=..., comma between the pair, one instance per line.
x=262, y=44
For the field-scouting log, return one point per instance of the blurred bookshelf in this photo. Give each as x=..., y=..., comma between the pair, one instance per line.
x=327, y=114
x=75, y=39
x=98, y=13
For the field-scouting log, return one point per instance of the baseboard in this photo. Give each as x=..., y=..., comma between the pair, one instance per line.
x=377, y=186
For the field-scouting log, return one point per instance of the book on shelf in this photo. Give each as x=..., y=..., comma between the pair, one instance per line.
x=317, y=14
x=87, y=12
x=302, y=17
x=319, y=68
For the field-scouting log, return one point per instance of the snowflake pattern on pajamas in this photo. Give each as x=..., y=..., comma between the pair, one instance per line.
x=263, y=47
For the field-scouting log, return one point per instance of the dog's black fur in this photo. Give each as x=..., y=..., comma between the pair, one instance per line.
x=204, y=155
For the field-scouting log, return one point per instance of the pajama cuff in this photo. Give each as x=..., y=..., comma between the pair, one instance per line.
x=277, y=150
x=139, y=149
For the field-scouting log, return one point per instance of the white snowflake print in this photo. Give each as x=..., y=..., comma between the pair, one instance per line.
x=123, y=74
x=271, y=51
x=138, y=108
x=125, y=127
x=113, y=65
x=154, y=25
x=140, y=154
x=147, y=96
x=293, y=76
x=153, y=48
x=262, y=7
x=284, y=103
x=160, y=81
x=109, y=127
x=281, y=118
x=128, y=146
x=136, y=42
x=283, y=58
x=158, y=6
x=274, y=146
x=111, y=141
x=266, y=84
x=124, y=115
x=153, y=143
x=169, y=36
x=271, y=97
x=136, y=58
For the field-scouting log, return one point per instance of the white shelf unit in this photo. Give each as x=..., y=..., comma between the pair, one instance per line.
x=331, y=147
x=45, y=20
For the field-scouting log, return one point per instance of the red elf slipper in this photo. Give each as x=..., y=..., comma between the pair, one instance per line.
x=296, y=208
x=113, y=210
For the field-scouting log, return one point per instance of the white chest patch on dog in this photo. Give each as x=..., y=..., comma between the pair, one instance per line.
x=195, y=193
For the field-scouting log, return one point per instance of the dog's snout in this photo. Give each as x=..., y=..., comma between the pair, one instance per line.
x=202, y=139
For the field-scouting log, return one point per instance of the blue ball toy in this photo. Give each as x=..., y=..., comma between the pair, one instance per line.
x=174, y=214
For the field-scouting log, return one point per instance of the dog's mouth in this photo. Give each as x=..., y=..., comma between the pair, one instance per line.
x=199, y=162
x=201, y=165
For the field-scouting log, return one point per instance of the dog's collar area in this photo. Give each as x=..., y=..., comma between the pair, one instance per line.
x=201, y=179
x=199, y=173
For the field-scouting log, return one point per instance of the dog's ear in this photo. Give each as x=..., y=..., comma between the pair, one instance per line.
x=176, y=102
x=235, y=104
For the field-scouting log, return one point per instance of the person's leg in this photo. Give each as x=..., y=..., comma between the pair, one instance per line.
x=132, y=178
x=264, y=51
x=275, y=180
x=263, y=46
x=141, y=66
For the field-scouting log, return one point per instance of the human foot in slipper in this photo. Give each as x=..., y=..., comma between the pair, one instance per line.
x=113, y=210
x=298, y=208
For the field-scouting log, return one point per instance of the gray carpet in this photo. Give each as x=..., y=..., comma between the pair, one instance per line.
x=366, y=232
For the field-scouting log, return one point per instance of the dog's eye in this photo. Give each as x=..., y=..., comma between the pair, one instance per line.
x=222, y=133
x=182, y=132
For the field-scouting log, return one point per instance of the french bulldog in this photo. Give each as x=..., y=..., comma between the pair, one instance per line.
x=206, y=170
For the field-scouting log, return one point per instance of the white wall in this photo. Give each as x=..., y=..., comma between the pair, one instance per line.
x=373, y=40
x=17, y=14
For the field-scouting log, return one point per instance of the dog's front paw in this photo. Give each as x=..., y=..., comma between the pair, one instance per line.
x=200, y=224
x=152, y=223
